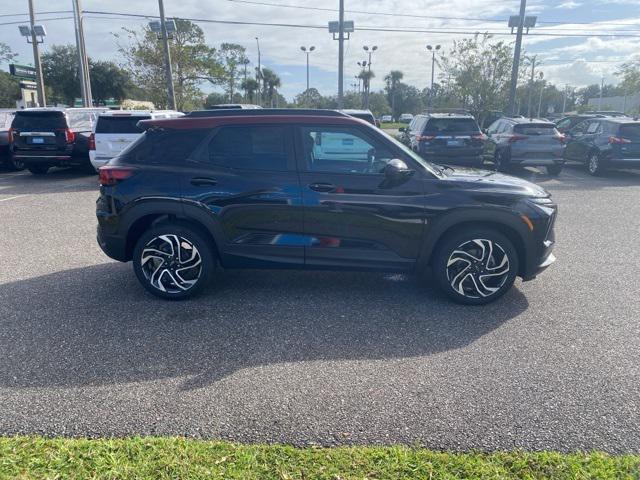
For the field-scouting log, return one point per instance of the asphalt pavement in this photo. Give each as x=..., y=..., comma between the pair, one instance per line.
x=321, y=357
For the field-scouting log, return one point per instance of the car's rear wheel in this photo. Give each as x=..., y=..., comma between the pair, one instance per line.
x=500, y=162
x=38, y=169
x=554, y=170
x=594, y=164
x=475, y=266
x=173, y=261
x=16, y=164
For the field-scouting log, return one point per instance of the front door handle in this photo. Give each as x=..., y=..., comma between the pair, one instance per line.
x=322, y=187
x=203, y=181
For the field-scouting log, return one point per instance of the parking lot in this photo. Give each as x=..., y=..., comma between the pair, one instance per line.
x=321, y=357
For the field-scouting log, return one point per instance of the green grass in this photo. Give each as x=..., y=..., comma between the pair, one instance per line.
x=392, y=125
x=178, y=458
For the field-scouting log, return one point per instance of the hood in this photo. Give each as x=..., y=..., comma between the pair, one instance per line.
x=490, y=181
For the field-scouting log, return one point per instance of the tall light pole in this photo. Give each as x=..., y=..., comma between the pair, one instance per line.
x=36, y=56
x=307, y=52
x=259, y=75
x=341, y=56
x=85, y=80
x=433, y=50
x=171, y=97
x=601, y=90
x=245, y=62
x=516, y=59
x=532, y=60
x=541, y=90
x=370, y=52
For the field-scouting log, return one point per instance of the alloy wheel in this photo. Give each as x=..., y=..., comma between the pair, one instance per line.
x=478, y=268
x=17, y=164
x=171, y=264
x=594, y=164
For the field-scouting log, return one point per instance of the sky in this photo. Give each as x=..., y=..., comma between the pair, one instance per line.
x=571, y=60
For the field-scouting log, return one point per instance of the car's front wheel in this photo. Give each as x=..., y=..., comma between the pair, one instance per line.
x=16, y=164
x=500, y=161
x=554, y=170
x=475, y=266
x=173, y=261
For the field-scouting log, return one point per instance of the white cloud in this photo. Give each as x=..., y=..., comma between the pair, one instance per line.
x=570, y=5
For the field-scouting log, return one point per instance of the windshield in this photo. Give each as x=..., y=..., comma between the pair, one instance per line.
x=39, y=120
x=535, y=129
x=81, y=120
x=120, y=124
x=451, y=125
x=430, y=167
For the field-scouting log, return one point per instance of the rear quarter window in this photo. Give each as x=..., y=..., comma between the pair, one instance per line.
x=535, y=129
x=447, y=126
x=34, y=121
x=163, y=146
x=117, y=124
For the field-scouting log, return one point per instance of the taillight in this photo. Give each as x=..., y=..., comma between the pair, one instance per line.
x=69, y=135
x=480, y=136
x=425, y=138
x=10, y=133
x=515, y=138
x=111, y=174
x=561, y=138
x=618, y=140
x=92, y=141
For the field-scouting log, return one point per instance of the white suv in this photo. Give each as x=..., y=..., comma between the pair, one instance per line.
x=115, y=130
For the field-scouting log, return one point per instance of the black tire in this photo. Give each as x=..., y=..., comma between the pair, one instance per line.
x=160, y=270
x=38, y=169
x=16, y=164
x=595, y=165
x=501, y=164
x=554, y=170
x=489, y=278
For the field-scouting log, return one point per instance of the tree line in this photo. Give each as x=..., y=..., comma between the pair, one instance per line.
x=474, y=74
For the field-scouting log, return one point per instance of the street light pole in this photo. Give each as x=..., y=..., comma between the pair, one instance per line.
x=85, y=82
x=341, y=56
x=533, y=69
x=171, y=97
x=516, y=59
x=36, y=57
x=541, y=90
x=307, y=52
x=259, y=75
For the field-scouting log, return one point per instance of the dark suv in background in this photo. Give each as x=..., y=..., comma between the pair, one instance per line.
x=449, y=138
x=603, y=143
x=41, y=138
x=525, y=142
x=312, y=189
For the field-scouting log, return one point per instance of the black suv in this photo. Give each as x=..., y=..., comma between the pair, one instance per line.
x=602, y=143
x=41, y=138
x=312, y=189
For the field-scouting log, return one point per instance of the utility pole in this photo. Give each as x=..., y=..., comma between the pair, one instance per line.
x=516, y=59
x=308, y=51
x=601, y=89
x=341, y=56
x=533, y=70
x=171, y=97
x=564, y=99
x=36, y=57
x=85, y=82
x=541, y=90
x=259, y=75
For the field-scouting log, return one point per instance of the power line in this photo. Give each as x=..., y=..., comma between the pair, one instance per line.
x=39, y=13
x=47, y=19
x=450, y=30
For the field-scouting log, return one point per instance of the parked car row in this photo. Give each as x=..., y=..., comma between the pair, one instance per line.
x=597, y=140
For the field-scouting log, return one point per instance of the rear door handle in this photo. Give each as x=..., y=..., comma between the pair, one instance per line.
x=203, y=181
x=322, y=187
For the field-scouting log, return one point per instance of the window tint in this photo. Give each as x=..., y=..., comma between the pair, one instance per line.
x=343, y=150
x=160, y=146
x=630, y=131
x=81, y=121
x=580, y=127
x=42, y=120
x=594, y=127
x=253, y=148
x=367, y=117
x=120, y=124
x=527, y=129
x=493, y=128
x=565, y=123
x=504, y=127
x=444, y=126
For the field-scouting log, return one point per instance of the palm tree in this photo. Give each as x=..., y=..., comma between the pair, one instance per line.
x=392, y=79
x=250, y=86
x=271, y=82
x=366, y=76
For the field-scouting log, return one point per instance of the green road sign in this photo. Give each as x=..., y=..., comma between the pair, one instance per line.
x=22, y=71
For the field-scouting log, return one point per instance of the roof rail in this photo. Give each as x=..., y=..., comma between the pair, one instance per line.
x=265, y=112
x=451, y=111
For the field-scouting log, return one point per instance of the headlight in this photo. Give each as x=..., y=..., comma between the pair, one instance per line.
x=541, y=200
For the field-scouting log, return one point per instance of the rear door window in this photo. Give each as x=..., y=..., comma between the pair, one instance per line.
x=27, y=121
x=630, y=131
x=250, y=148
x=451, y=126
x=533, y=130
x=594, y=127
x=120, y=124
x=163, y=146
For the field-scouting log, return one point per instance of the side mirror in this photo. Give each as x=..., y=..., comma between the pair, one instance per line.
x=396, y=168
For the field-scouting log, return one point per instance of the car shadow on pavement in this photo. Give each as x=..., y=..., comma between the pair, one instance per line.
x=97, y=326
x=57, y=180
